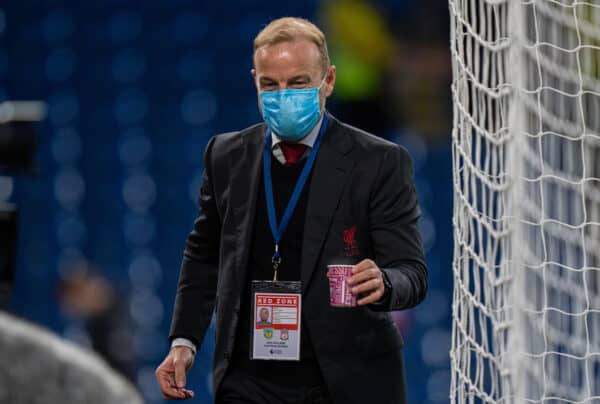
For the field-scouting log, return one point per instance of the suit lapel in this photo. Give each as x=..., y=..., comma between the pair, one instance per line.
x=329, y=176
x=247, y=162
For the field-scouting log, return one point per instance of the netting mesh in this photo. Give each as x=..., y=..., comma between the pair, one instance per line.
x=526, y=146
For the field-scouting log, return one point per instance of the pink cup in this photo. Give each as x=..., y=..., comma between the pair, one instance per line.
x=339, y=291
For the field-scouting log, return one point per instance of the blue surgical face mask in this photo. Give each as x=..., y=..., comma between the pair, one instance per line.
x=291, y=113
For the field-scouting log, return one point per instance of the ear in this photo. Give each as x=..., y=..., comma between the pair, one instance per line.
x=253, y=73
x=330, y=81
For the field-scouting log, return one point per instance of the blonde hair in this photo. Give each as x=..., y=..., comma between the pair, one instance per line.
x=288, y=29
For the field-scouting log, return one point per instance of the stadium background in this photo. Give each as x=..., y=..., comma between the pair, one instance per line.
x=134, y=91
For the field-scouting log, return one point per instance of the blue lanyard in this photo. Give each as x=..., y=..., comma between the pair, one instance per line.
x=277, y=231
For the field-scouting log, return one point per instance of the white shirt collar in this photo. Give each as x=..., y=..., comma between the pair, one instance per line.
x=308, y=140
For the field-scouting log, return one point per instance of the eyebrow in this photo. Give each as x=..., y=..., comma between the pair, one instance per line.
x=299, y=77
x=266, y=79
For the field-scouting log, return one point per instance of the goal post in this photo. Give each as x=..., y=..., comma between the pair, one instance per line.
x=526, y=171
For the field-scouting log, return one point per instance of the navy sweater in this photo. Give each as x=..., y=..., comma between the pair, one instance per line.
x=306, y=372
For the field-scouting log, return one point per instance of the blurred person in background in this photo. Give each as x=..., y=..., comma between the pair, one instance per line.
x=393, y=65
x=88, y=297
x=364, y=58
x=358, y=182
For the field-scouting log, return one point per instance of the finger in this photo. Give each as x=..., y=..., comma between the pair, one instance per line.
x=364, y=264
x=169, y=392
x=372, y=298
x=163, y=376
x=179, y=366
x=182, y=394
x=365, y=275
x=367, y=287
x=188, y=393
x=174, y=395
x=172, y=380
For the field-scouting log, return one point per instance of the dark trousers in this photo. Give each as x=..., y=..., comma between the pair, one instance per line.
x=243, y=386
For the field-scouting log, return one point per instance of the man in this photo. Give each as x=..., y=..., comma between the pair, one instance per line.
x=264, y=317
x=321, y=193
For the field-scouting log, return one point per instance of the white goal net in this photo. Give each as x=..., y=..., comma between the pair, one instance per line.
x=526, y=155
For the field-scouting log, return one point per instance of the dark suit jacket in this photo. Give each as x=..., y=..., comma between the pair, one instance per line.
x=358, y=181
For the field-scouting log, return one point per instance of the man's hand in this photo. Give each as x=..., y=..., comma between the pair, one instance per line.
x=171, y=373
x=367, y=282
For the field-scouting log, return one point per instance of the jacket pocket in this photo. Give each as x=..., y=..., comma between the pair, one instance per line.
x=384, y=337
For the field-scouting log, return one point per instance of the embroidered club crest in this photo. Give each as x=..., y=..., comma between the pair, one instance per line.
x=350, y=246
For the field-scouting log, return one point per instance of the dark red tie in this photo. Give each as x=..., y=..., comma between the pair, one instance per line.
x=292, y=152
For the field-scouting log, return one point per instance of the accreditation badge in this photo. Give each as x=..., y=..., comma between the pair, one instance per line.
x=276, y=310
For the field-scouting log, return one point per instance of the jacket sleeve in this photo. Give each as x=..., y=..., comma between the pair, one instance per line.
x=393, y=220
x=196, y=290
